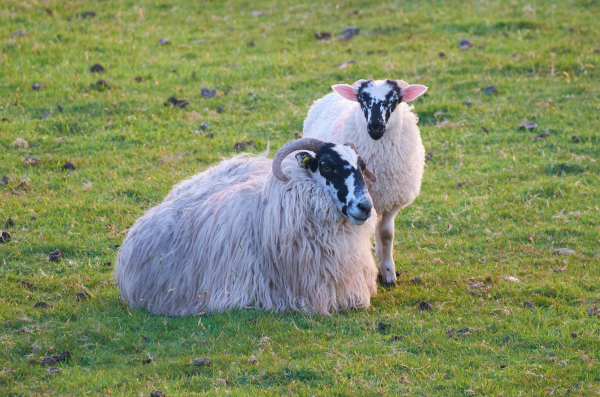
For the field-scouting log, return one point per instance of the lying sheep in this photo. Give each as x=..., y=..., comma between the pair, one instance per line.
x=374, y=115
x=239, y=236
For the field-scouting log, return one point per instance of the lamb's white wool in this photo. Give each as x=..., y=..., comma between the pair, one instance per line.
x=236, y=237
x=397, y=158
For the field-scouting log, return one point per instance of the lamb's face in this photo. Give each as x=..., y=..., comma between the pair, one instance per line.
x=339, y=169
x=378, y=100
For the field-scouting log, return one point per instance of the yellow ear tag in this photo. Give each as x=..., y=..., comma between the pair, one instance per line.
x=304, y=160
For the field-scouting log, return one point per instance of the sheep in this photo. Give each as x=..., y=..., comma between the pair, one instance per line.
x=397, y=158
x=238, y=236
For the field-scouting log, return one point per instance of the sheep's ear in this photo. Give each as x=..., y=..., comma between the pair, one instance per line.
x=306, y=161
x=412, y=92
x=346, y=91
x=367, y=174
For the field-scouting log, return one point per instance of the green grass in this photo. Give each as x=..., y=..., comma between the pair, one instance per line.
x=492, y=205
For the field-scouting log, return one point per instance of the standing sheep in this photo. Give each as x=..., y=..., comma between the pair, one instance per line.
x=239, y=236
x=362, y=113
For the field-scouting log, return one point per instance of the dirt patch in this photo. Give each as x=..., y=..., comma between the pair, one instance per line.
x=201, y=362
x=31, y=161
x=97, y=68
x=55, y=256
x=172, y=101
x=53, y=360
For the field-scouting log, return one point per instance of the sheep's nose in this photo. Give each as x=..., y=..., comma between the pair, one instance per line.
x=365, y=207
x=359, y=212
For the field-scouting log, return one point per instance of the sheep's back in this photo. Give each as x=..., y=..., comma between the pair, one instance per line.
x=186, y=255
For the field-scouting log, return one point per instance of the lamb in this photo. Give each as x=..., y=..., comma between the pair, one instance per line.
x=239, y=236
x=396, y=157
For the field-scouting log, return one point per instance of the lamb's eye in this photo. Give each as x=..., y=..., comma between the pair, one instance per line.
x=326, y=169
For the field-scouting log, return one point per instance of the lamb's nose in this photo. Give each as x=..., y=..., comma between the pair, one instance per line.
x=376, y=130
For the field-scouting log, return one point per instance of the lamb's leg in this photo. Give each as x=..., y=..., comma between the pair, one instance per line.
x=384, y=246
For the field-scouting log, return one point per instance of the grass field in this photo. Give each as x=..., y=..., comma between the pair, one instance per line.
x=497, y=201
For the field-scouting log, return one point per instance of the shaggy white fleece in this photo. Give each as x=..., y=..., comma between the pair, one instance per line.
x=236, y=237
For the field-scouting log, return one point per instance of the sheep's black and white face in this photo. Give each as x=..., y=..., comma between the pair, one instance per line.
x=339, y=170
x=378, y=100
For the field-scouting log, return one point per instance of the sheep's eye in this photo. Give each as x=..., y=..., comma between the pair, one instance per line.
x=326, y=169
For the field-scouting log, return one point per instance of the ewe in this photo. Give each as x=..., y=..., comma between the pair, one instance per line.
x=396, y=157
x=239, y=236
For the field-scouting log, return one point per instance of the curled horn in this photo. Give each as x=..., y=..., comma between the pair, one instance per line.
x=301, y=144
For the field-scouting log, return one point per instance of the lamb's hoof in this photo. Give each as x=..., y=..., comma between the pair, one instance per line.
x=387, y=281
x=388, y=274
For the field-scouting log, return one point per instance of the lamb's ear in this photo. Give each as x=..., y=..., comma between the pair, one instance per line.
x=412, y=92
x=306, y=161
x=402, y=84
x=346, y=91
x=358, y=83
